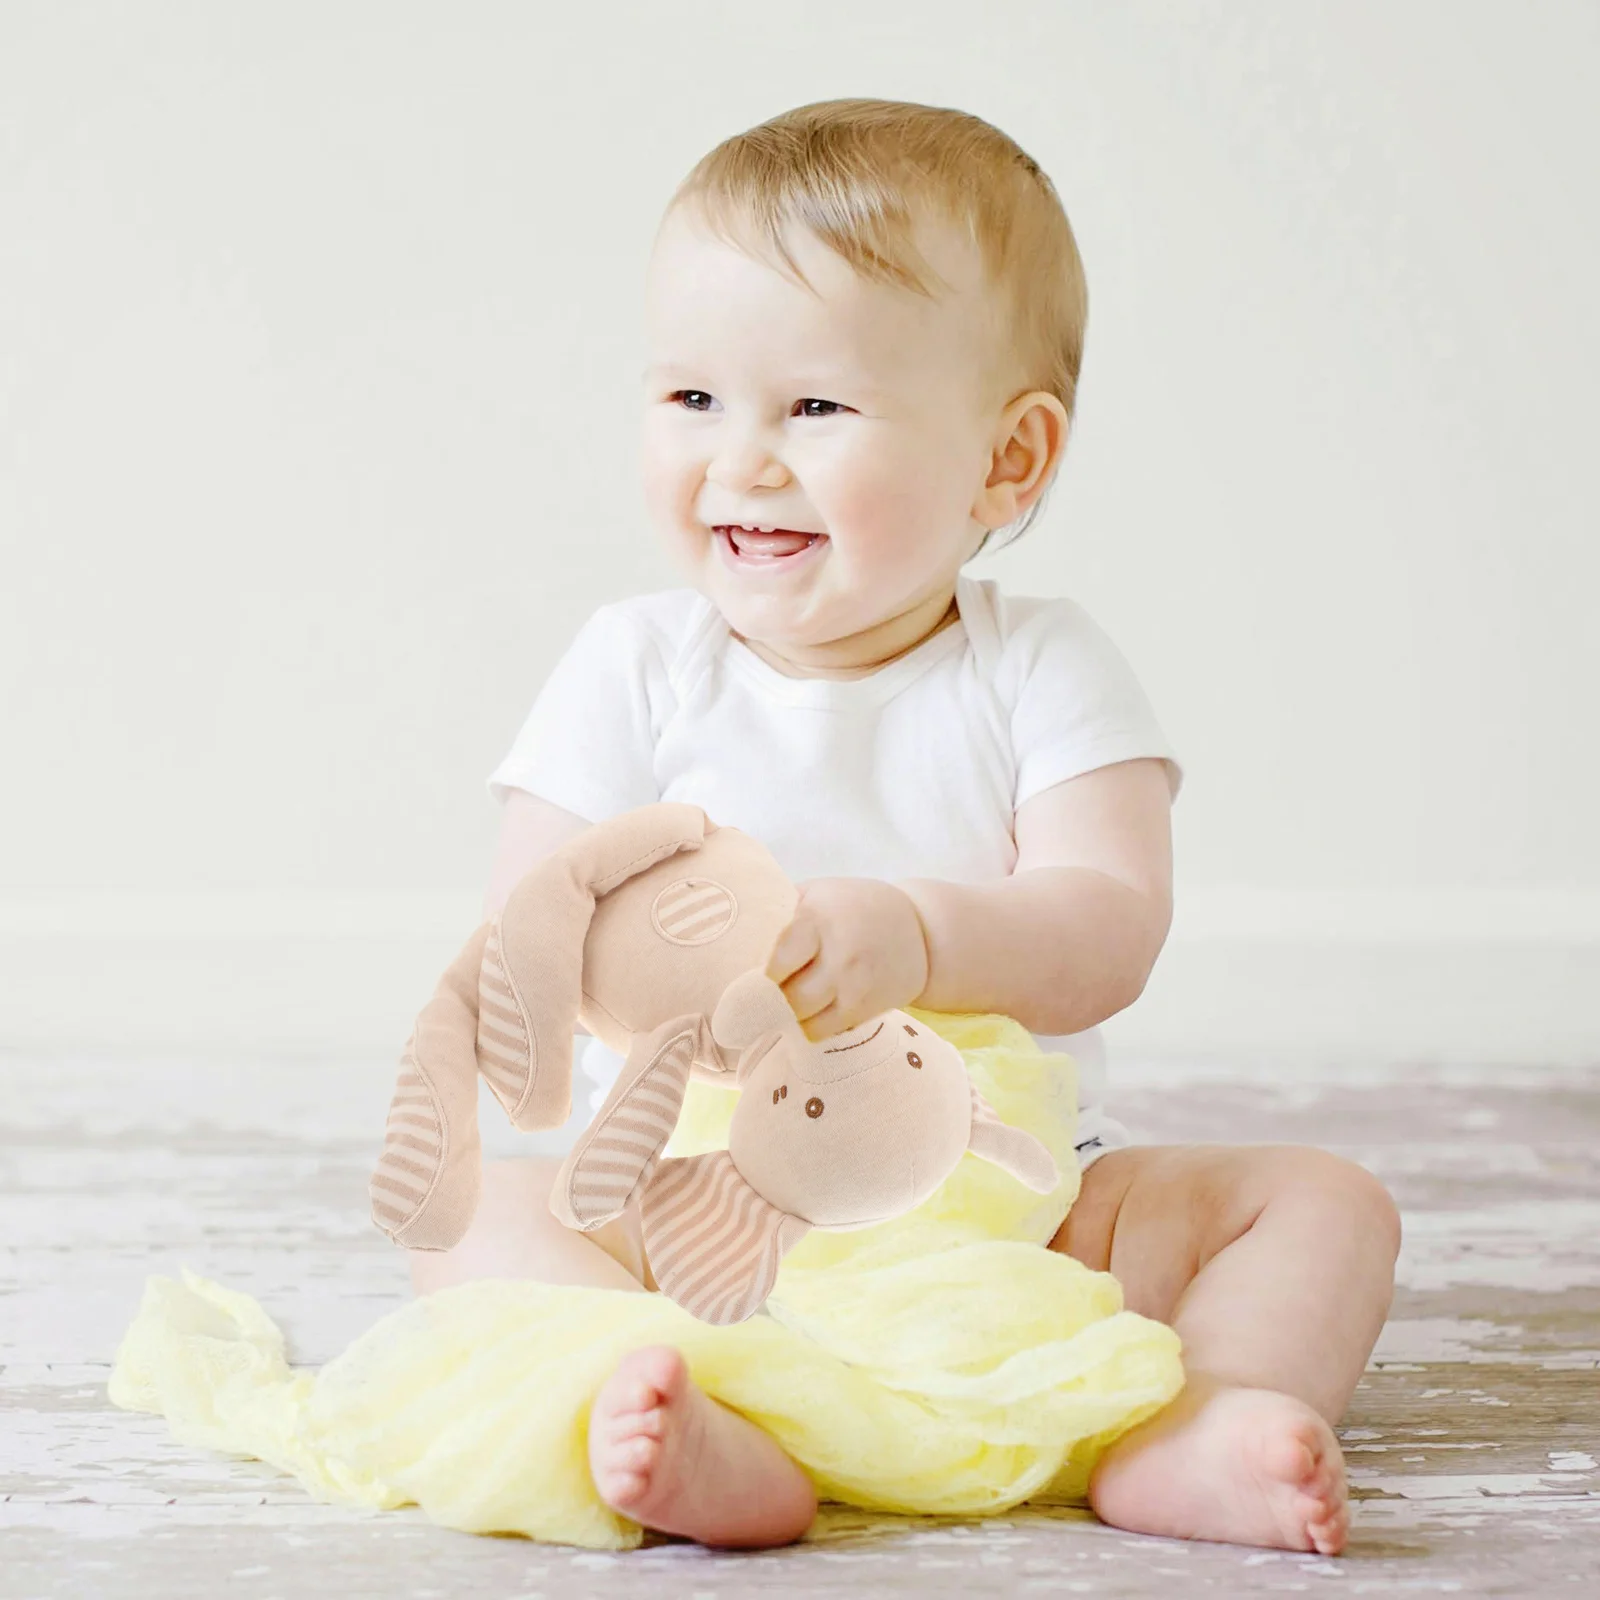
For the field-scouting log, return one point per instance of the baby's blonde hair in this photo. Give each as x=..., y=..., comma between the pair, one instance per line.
x=858, y=174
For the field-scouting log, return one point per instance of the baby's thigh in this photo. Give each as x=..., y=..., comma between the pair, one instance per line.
x=514, y=1235
x=1154, y=1215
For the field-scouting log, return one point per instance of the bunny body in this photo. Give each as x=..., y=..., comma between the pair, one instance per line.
x=667, y=941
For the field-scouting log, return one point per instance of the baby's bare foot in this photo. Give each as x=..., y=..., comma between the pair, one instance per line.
x=669, y=1456
x=1245, y=1466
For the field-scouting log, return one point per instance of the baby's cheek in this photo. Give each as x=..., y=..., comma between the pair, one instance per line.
x=667, y=476
x=894, y=500
x=885, y=519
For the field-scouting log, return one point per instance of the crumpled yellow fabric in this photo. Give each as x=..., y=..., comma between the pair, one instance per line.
x=940, y=1362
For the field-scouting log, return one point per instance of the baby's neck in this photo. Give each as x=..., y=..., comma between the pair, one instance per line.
x=859, y=654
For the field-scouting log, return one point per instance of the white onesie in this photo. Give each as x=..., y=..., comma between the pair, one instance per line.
x=913, y=771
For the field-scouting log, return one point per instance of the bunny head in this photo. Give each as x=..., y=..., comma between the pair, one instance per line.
x=836, y=1134
x=848, y=1131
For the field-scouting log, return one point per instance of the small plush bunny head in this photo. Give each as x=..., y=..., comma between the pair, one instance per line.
x=849, y=1131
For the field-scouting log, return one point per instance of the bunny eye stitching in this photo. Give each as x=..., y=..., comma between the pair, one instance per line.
x=913, y=1058
x=813, y=1107
x=912, y=1031
x=784, y=1091
x=780, y=1093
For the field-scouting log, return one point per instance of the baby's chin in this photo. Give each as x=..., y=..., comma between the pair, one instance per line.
x=805, y=606
x=806, y=614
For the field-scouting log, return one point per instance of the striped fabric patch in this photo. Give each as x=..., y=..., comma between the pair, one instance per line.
x=694, y=911
x=413, y=1150
x=505, y=1056
x=712, y=1242
x=626, y=1141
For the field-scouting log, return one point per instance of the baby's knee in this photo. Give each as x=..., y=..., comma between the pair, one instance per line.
x=1356, y=1199
x=504, y=1233
x=513, y=1184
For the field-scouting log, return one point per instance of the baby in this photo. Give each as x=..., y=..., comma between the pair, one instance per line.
x=865, y=323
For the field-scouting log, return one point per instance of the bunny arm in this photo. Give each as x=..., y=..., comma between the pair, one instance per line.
x=618, y=1151
x=713, y=1243
x=533, y=972
x=1015, y=1150
x=425, y=1186
x=753, y=1008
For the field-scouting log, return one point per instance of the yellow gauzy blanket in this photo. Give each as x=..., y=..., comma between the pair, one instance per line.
x=941, y=1362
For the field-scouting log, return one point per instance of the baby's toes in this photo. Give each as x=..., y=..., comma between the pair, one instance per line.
x=1328, y=1536
x=662, y=1369
x=1292, y=1458
x=626, y=1425
x=1325, y=1507
x=623, y=1472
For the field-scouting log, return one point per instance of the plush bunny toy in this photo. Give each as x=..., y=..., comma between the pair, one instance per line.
x=653, y=929
x=839, y=1134
x=634, y=928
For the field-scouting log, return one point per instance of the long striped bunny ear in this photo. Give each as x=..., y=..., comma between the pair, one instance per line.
x=714, y=1245
x=425, y=1186
x=532, y=979
x=618, y=1151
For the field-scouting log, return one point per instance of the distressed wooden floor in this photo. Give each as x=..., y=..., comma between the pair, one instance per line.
x=1473, y=1442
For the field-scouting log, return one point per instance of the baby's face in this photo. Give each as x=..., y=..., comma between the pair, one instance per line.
x=863, y=417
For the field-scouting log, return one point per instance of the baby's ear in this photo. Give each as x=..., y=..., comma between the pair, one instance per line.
x=712, y=1242
x=752, y=1007
x=1013, y=1149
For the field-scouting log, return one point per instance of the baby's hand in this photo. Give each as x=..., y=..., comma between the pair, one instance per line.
x=854, y=949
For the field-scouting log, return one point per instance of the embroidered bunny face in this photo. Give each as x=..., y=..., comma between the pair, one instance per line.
x=855, y=1129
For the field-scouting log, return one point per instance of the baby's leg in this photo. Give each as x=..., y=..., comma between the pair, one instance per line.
x=1276, y=1266
x=661, y=1451
x=513, y=1235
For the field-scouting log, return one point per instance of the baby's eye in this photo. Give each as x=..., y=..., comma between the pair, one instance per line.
x=833, y=408
x=691, y=399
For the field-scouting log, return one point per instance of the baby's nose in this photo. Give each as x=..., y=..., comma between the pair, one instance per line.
x=744, y=462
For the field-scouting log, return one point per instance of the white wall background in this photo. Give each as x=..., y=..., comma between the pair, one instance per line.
x=318, y=344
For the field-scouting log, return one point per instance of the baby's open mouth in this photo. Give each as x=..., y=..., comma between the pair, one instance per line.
x=766, y=546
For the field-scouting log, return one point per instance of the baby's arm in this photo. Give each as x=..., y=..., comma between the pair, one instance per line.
x=530, y=829
x=1069, y=939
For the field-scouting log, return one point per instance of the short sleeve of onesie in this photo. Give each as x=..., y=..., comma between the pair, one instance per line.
x=1075, y=702
x=589, y=741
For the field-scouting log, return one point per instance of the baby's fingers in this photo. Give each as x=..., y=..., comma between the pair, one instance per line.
x=823, y=1024
x=810, y=992
x=798, y=944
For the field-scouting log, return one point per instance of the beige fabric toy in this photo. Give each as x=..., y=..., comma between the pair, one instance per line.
x=839, y=1134
x=653, y=930
x=634, y=928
